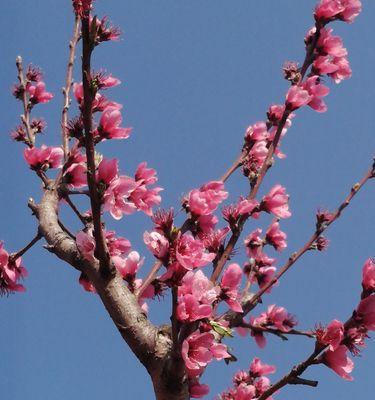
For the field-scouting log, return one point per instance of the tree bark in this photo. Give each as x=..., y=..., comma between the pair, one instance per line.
x=152, y=345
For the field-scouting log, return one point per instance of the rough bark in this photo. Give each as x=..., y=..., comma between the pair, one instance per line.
x=152, y=345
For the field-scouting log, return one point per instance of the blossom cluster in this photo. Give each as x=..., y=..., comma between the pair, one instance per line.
x=183, y=251
x=250, y=384
x=342, y=338
x=11, y=272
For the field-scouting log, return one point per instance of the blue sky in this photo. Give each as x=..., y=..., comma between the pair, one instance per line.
x=195, y=74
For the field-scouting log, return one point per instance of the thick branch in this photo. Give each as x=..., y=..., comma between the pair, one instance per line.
x=142, y=337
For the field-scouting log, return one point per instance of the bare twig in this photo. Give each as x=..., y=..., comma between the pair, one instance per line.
x=68, y=84
x=295, y=256
x=236, y=164
x=25, y=101
x=75, y=210
x=13, y=257
x=149, y=278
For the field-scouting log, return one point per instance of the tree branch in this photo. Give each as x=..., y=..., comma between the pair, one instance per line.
x=249, y=304
x=68, y=84
x=101, y=251
x=13, y=257
x=26, y=111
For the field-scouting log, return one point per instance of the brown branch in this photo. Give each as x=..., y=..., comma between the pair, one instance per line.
x=122, y=306
x=236, y=318
x=68, y=83
x=75, y=210
x=220, y=263
x=13, y=257
x=101, y=251
x=293, y=376
x=26, y=110
x=149, y=278
x=236, y=164
x=275, y=331
x=295, y=256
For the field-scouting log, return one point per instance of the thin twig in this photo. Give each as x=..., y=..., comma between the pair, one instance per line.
x=150, y=277
x=13, y=257
x=75, y=210
x=219, y=266
x=25, y=101
x=68, y=84
x=175, y=323
x=236, y=164
x=295, y=256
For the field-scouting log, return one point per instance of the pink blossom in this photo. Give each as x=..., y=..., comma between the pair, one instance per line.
x=144, y=175
x=157, y=243
x=11, y=272
x=116, y=198
x=107, y=171
x=254, y=243
x=276, y=202
x=109, y=125
x=103, y=81
x=213, y=240
x=106, y=31
x=163, y=220
x=128, y=266
x=205, y=200
x=316, y=91
x=207, y=223
x=368, y=275
x=199, y=349
x=195, y=297
x=81, y=7
x=230, y=283
x=263, y=276
x=76, y=176
x=144, y=199
x=258, y=369
x=244, y=207
x=43, y=157
x=343, y=70
x=332, y=335
x=258, y=154
x=100, y=102
x=256, y=132
x=34, y=73
x=366, y=312
x=191, y=253
x=117, y=246
x=280, y=318
x=197, y=390
x=38, y=93
x=339, y=362
x=324, y=65
x=330, y=44
x=262, y=384
x=345, y=10
x=297, y=97
x=275, y=237
x=86, y=244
